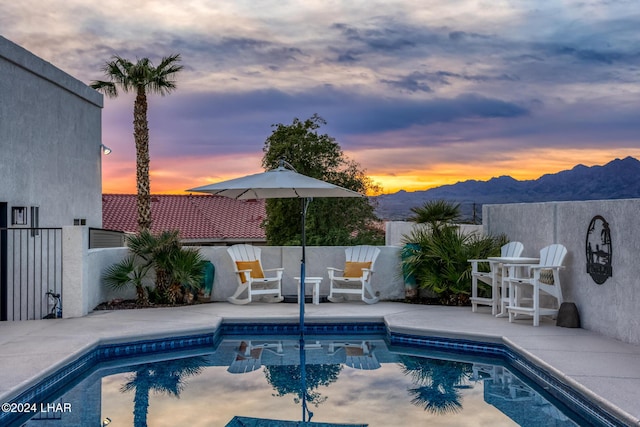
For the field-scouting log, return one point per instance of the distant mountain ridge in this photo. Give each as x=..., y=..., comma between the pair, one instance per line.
x=618, y=179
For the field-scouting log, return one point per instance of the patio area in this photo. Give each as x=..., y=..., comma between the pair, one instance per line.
x=602, y=367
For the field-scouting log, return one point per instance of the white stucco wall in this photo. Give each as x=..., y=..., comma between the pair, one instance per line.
x=50, y=136
x=395, y=231
x=99, y=260
x=387, y=279
x=610, y=308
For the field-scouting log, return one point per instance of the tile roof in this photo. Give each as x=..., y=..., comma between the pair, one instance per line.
x=197, y=217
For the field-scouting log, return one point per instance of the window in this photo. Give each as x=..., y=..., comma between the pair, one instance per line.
x=18, y=215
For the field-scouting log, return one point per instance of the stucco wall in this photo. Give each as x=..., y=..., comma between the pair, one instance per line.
x=387, y=278
x=395, y=231
x=99, y=260
x=610, y=308
x=50, y=136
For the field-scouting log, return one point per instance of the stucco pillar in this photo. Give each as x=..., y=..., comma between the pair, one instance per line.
x=75, y=249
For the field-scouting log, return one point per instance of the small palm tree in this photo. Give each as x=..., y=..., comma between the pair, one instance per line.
x=178, y=271
x=187, y=273
x=436, y=213
x=128, y=272
x=436, y=256
x=157, y=251
x=141, y=77
x=438, y=383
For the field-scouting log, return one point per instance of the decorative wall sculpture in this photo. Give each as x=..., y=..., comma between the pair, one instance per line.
x=598, y=250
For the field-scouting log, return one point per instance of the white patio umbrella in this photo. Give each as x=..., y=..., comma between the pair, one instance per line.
x=280, y=183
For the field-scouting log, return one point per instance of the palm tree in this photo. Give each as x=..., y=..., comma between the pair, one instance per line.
x=157, y=251
x=128, y=272
x=141, y=77
x=436, y=256
x=436, y=213
x=178, y=271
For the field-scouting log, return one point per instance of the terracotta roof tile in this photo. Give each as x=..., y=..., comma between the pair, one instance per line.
x=197, y=217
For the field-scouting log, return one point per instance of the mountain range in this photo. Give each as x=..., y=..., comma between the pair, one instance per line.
x=618, y=179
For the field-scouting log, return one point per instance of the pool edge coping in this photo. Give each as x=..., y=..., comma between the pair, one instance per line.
x=558, y=375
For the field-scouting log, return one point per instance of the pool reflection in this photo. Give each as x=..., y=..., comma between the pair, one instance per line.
x=346, y=380
x=164, y=377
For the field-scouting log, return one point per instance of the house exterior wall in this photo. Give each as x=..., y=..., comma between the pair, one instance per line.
x=50, y=136
x=610, y=308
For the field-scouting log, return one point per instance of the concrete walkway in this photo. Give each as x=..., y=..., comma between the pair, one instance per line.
x=606, y=369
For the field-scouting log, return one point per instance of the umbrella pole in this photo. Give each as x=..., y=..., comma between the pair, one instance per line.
x=305, y=205
x=306, y=414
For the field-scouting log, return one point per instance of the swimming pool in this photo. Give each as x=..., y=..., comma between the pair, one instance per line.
x=358, y=373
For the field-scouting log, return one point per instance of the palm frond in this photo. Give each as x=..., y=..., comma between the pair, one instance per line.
x=188, y=268
x=108, y=88
x=436, y=211
x=121, y=274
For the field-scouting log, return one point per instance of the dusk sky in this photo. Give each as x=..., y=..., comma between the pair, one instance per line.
x=419, y=93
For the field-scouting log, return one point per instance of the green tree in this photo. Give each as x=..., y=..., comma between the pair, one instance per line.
x=141, y=77
x=287, y=379
x=330, y=221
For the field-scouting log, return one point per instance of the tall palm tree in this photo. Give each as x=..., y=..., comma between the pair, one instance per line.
x=164, y=377
x=141, y=77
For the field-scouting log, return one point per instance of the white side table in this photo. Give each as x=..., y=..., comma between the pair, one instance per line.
x=315, y=281
x=506, y=272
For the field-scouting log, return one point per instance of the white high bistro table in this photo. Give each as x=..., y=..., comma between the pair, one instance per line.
x=504, y=299
x=315, y=281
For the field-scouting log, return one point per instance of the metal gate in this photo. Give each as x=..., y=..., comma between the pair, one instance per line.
x=30, y=273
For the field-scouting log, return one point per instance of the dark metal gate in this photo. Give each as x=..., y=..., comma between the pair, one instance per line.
x=30, y=272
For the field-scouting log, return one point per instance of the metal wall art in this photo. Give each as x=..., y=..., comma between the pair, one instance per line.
x=598, y=248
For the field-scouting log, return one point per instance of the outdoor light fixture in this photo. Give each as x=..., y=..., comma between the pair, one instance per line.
x=107, y=420
x=105, y=150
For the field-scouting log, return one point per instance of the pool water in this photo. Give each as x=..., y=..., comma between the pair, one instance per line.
x=348, y=380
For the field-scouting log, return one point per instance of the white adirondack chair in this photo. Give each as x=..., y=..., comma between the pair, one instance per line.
x=542, y=281
x=493, y=277
x=355, y=278
x=251, y=277
x=249, y=356
x=357, y=355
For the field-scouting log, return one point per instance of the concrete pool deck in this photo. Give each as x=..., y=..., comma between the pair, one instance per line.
x=606, y=369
